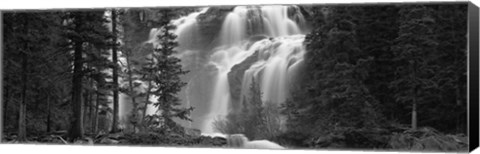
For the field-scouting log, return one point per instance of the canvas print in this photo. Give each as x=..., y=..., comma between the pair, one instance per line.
x=390, y=77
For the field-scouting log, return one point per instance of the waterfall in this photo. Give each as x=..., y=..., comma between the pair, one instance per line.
x=234, y=27
x=277, y=23
x=278, y=60
x=278, y=56
x=266, y=32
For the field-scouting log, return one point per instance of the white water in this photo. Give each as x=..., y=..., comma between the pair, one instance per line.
x=277, y=22
x=234, y=27
x=278, y=61
x=279, y=56
x=223, y=60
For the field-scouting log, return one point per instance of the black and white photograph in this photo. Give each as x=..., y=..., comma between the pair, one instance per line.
x=358, y=76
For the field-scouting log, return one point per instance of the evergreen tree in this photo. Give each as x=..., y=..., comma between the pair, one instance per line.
x=83, y=28
x=135, y=68
x=95, y=84
x=450, y=30
x=338, y=71
x=147, y=71
x=115, y=71
x=415, y=46
x=377, y=28
x=28, y=51
x=167, y=74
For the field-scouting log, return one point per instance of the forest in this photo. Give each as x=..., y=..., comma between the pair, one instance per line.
x=379, y=76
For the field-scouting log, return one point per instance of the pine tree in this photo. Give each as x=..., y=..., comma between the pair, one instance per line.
x=167, y=74
x=96, y=75
x=448, y=113
x=377, y=28
x=83, y=28
x=147, y=71
x=135, y=70
x=337, y=96
x=115, y=72
x=29, y=49
x=413, y=50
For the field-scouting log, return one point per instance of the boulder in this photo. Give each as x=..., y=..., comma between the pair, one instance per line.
x=108, y=141
x=115, y=136
x=193, y=132
x=210, y=24
x=211, y=141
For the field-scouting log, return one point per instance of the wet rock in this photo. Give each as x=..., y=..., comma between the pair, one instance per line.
x=235, y=78
x=210, y=24
x=109, y=141
x=209, y=141
x=115, y=136
x=219, y=141
x=87, y=141
x=193, y=132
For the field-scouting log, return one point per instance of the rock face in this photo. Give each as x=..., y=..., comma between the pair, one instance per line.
x=235, y=78
x=210, y=24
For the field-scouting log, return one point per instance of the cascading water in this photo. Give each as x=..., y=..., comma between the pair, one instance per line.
x=278, y=61
x=264, y=31
x=277, y=55
x=234, y=27
x=277, y=23
x=223, y=60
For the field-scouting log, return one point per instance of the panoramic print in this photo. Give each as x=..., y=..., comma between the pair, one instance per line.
x=389, y=77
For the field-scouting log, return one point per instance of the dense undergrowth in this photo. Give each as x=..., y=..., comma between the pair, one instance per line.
x=398, y=139
x=140, y=139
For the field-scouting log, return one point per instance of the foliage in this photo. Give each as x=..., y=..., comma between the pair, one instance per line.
x=35, y=65
x=336, y=96
x=367, y=67
x=368, y=62
x=166, y=75
x=256, y=120
x=450, y=62
x=82, y=29
x=414, y=43
x=427, y=139
x=171, y=140
x=272, y=121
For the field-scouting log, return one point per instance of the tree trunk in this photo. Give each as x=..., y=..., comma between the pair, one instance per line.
x=132, y=93
x=414, y=113
x=147, y=98
x=460, y=121
x=48, y=114
x=86, y=101
x=414, y=103
x=95, y=116
x=146, y=101
x=6, y=101
x=22, y=128
x=85, y=106
x=115, y=72
x=90, y=107
x=76, y=130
